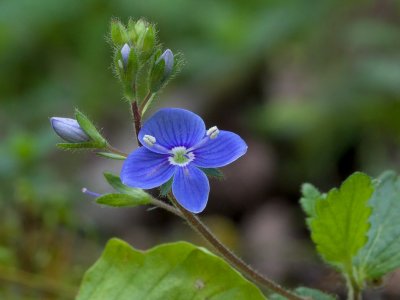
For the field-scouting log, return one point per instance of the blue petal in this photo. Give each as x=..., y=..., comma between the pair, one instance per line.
x=224, y=149
x=173, y=127
x=191, y=188
x=145, y=169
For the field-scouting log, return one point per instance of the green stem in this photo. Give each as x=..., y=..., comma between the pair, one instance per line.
x=116, y=151
x=354, y=290
x=225, y=252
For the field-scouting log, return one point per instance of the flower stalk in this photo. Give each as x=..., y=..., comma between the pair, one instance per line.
x=226, y=253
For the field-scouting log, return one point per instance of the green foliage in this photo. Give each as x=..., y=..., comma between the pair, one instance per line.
x=111, y=155
x=382, y=252
x=167, y=272
x=213, y=172
x=357, y=228
x=166, y=187
x=123, y=200
x=116, y=183
x=340, y=225
x=309, y=200
x=87, y=126
x=306, y=292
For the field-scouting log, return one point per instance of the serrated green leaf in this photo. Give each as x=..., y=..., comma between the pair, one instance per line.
x=122, y=200
x=166, y=187
x=213, y=172
x=88, y=127
x=177, y=271
x=310, y=197
x=306, y=292
x=111, y=155
x=78, y=146
x=117, y=184
x=340, y=225
x=381, y=254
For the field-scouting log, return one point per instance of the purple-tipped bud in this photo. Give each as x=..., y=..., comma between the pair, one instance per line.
x=125, y=54
x=69, y=130
x=168, y=58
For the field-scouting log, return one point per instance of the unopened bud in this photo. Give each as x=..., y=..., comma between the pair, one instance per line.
x=213, y=132
x=168, y=58
x=125, y=54
x=149, y=140
x=69, y=130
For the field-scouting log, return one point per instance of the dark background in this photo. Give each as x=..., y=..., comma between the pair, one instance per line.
x=312, y=86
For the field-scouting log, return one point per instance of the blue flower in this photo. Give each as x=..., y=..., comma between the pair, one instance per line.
x=177, y=144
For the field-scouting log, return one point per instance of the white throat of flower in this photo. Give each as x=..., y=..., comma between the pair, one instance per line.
x=180, y=156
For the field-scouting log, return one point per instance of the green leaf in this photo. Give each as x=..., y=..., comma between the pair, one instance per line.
x=177, y=271
x=213, y=172
x=117, y=184
x=111, y=155
x=382, y=252
x=122, y=200
x=310, y=197
x=88, y=127
x=340, y=225
x=166, y=187
x=306, y=292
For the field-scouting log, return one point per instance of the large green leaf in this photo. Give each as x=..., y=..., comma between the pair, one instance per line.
x=340, y=225
x=307, y=292
x=382, y=252
x=177, y=271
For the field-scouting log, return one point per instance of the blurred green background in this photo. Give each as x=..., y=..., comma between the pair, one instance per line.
x=312, y=86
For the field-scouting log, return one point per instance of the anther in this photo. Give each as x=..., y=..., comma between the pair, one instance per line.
x=213, y=132
x=149, y=140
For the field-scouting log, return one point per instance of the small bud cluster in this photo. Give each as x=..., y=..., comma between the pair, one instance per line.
x=140, y=63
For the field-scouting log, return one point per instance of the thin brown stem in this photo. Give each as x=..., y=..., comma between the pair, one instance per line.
x=232, y=258
x=137, y=118
x=167, y=207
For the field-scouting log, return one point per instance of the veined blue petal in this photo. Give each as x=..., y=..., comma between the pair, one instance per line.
x=191, y=188
x=173, y=127
x=69, y=130
x=224, y=149
x=145, y=169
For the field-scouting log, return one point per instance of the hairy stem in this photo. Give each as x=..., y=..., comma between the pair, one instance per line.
x=232, y=258
x=116, y=151
x=137, y=118
x=167, y=207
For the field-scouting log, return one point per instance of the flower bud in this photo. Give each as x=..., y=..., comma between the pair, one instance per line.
x=69, y=130
x=168, y=58
x=125, y=54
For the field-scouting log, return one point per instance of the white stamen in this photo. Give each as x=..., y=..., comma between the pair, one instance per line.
x=213, y=132
x=149, y=140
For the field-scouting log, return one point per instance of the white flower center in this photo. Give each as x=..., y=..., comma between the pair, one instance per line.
x=180, y=156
